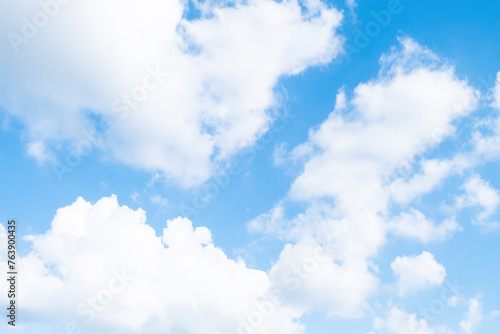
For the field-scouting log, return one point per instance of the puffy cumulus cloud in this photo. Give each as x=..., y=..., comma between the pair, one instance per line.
x=311, y=277
x=430, y=175
x=327, y=264
x=415, y=225
x=149, y=87
x=398, y=321
x=102, y=267
x=473, y=317
x=389, y=121
x=349, y=163
x=485, y=144
x=480, y=193
x=417, y=272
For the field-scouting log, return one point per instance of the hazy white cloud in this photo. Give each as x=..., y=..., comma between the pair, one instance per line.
x=487, y=146
x=102, y=265
x=480, y=193
x=453, y=301
x=398, y=322
x=496, y=93
x=473, y=317
x=417, y=272
x=494, y=314
x=159, y=200
x=134, y=195
x=351, y=4
x=181, y=95
x=269, y=223
x=38, y=151
x=279, y=154
x=430, y=175
x=414, y=224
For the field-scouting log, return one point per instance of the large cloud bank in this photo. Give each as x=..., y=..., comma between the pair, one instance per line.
x=100, y=267
x=149, y=87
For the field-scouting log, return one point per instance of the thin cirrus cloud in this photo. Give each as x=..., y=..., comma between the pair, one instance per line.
x=181, y=95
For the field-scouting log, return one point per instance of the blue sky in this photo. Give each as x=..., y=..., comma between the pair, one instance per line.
x=268, y=134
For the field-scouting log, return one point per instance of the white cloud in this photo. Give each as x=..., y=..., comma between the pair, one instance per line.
x=494, y=314
x=479, y=192
x=349, y=161
x=414, y=224
x=398, y=322
x=169, y=280
x=279, y=154
x=487, y=147
x=473, y=317
x=38, y=151
x=453, y=301
x=310, y=278
x=496, y=93
x=216, y=95
x=389, y=119
x=432, y=172
x=159, y=200
x=351, y=4
x=417, y=272
x=269, y=223
x=134, y=195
